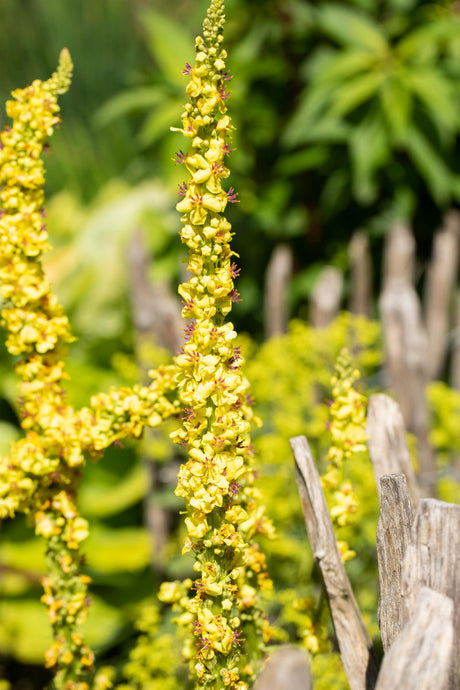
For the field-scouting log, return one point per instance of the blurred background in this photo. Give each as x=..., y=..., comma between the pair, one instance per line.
x=347, y=125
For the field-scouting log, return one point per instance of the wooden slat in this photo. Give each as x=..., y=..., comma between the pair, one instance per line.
x=433, y=560
x=326, y=297
x=278, y=276
x=421, y=656
x=355, y=644
x=393, y=536
x=361, y=274
x=287, y=667
x=387, y=443
x=440, y=283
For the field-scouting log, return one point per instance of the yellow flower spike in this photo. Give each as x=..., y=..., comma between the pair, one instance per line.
x=42, y=473
x=348, y=433
x=216, y=481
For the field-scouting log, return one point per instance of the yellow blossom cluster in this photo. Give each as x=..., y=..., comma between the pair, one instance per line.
x=42, y=472
x=347, y=427
x=205, y=384
x=223, y=507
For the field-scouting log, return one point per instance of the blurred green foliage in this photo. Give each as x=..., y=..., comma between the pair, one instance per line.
x=347, y=114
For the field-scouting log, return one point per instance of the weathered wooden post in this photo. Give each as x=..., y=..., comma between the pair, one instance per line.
x=278, y=275
x=355, y=644
x=440, y=283
x=405, y=343
x=393, y=537
x=387, y=443
x=287, y=667
x=421, y=656
x=432, y=560
x=326, y=297
x=361, y=274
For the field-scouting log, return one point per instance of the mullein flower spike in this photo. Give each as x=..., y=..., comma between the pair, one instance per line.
x=41, y=474
x=347, y=427
x=221, y=607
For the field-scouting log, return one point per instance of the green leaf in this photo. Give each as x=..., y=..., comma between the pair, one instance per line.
x=424, y=43
x=169, y=43
x=396, y=106
x=125, y=549
x=436, y=94
x=26, y=556
x=313, y=101
x=369, y=150
x=339, y=65
x=141, y=98
x=403, y=5
x=100, y=500
x=25, y=632
x=335, y=193
x=350, y=27
x=431, y=166
x=293, y=163
x=310, y=123
x=355, y=92
x=8, y=433
x=157, y=124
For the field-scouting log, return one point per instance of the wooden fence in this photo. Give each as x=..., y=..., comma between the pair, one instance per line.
x=421, y=336
x=418, y=549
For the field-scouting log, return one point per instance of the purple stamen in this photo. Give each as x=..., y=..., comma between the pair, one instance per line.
x=226, y=149
x=187, y=69
x=188, y=330
x=217, y=168
x=234, y=270
x=226, y=76
x=197, y=628
x=180, y=157
x=182, y=189
x=196, y=200
x=187, y=413
x=231, y=196
x=235, y=296
x=223, y=93
x=189, y=304
x=237, y=637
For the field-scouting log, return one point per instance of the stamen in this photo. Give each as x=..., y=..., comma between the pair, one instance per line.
x=231, y=196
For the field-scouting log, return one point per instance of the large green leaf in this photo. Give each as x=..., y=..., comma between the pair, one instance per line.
x=97, y=297
x=25, y=556
x=157, y=124
x=25, y=632
x=351, y=27
x=170, y=44
x=125, y=549
x=340, y=65
x=100, y=500
x=8, y=433
x=312, y=103
x=306, y=159
x=436, y=173
x=436, y=94
x=369, y=150
x=396, y=106
x=310, y=117
x=355, y=92
x=425, y=42
x=140, y=98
